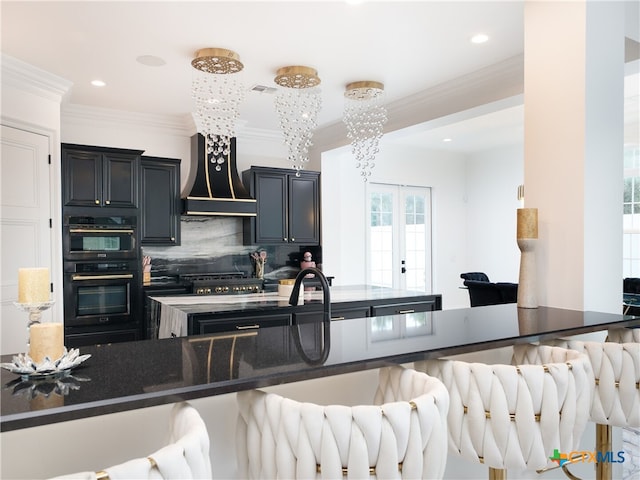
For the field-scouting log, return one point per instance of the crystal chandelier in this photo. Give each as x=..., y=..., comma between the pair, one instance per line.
x=217, y=91
x=297, y=105
x=364, y=116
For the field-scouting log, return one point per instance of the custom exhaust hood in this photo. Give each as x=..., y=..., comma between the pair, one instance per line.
x=216, y=192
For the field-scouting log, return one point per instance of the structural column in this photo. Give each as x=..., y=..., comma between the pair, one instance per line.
x=573, y=174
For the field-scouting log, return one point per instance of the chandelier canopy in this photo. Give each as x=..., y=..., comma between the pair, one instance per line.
x=218, y=92
x=297, y=104
x=364, y=117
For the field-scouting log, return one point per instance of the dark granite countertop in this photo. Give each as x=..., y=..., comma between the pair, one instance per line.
x=127, y=376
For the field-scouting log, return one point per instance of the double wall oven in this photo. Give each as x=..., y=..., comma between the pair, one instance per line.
x=102, y=300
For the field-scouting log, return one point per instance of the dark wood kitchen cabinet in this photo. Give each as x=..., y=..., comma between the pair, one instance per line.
x=159, y=201
x=288, y=207
x=99, y=176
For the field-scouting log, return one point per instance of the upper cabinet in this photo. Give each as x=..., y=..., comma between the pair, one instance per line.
x=159, y=201
x=288, y=207
x=100, y=176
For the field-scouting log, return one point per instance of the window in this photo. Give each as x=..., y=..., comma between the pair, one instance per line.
x=631, y=212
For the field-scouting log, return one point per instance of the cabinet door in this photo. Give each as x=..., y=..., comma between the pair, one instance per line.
x=160, y=202
x=304, y=209
x=82, y=178
x=271, y=219
x=271, y=344
x=120, y=181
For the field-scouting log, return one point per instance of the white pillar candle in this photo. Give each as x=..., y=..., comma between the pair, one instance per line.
x=46, y=340
x=33, y=285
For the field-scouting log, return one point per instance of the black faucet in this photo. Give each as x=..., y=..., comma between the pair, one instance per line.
x=326, y=316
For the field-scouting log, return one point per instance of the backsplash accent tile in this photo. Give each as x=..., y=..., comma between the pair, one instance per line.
x=214, y=244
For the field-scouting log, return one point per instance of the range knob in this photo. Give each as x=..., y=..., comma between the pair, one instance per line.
x=208, y=291
x=225, y=289
x=218, y=289
x=199, y=291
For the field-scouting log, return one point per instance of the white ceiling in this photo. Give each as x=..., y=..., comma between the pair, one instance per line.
x=409, y=46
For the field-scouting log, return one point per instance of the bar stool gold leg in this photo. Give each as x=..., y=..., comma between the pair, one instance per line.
x=497, y=474
x=603, y=445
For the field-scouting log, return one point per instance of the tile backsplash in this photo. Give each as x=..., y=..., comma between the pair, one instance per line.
x=214, y=244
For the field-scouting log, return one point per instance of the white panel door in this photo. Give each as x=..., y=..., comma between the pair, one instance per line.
x=25, y=235
x=399, y=237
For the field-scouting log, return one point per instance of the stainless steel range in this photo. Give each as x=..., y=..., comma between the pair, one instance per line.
x=221, y=283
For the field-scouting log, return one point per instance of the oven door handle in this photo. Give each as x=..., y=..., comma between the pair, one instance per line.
x=101, y=277
x=100, y=230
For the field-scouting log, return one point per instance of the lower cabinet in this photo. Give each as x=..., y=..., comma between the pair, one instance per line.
x=272, y=345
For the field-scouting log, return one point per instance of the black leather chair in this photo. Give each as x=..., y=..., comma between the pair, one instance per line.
x=487, y=293
x=477, y=276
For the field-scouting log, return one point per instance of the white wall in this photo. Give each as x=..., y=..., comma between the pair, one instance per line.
x=344, y=222
x=492, y=180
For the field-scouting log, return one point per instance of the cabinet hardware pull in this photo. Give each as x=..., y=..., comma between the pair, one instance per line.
x=406, y=311
x=247, y=327
x=337, y=318
x=293, y=239
x=101, y=277
x=106, y=230
x=285, y=239
x=108, y=202
x=97, y=202
x=173, y=239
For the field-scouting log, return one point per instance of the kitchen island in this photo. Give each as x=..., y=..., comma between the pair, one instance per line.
x=127, y=376
x=182, y=315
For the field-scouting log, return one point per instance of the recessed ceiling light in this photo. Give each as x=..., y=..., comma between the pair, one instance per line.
x=479, y=38
x=98, y=83
x=446, y=139
x=151, y=60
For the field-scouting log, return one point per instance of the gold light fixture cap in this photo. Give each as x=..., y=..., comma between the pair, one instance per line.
x=297, y=76
x=217, y=60
x=364, y=90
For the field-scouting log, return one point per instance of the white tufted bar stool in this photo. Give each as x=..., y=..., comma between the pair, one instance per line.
x=616, y=399
x=624, y=335
x=186, y=456
x=404, y=435
x=514, y=416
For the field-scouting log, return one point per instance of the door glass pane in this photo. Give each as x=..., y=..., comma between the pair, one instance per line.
x=415, y=243
x=381, y=239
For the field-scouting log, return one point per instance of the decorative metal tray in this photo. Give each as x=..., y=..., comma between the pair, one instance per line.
x=23, y=365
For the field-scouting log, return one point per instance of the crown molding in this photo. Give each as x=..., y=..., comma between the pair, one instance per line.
x=108, y=118
x=496, y=82
x=33, y=80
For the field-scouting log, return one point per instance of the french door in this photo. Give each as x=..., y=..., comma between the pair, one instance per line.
x=399, y=237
